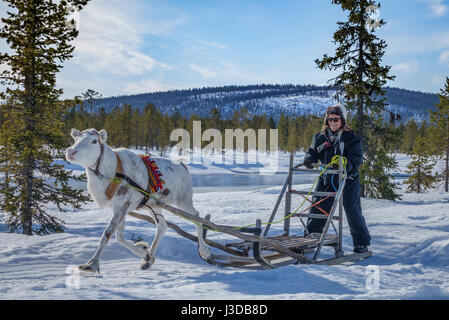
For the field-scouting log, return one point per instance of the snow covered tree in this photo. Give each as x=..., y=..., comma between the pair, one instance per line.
x=359, y=55
x=31, y=135
x=439, y=132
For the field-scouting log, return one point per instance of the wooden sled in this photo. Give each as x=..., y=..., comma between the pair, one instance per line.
x=257, y=250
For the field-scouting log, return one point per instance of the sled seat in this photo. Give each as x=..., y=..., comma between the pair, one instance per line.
x=291, y=242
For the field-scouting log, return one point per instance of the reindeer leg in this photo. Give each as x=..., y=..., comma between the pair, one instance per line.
x=139, y=249
x=204, y=249
x=93, y=265
x=157, y=216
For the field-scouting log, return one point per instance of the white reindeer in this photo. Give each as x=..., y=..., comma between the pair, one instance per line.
x=101, y=163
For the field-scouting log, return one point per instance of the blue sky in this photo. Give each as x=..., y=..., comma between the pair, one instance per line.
x=137, y=46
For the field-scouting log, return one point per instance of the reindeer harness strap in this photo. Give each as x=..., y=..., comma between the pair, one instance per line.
x=154, y=185
x=113, y=186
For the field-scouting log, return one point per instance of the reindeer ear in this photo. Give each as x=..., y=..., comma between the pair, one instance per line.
x=103, y=135
x=75, y=133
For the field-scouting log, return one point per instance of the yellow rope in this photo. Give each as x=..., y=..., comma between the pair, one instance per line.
x=335, y=161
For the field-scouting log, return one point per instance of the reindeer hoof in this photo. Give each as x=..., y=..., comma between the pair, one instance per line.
x=147, y=262
x=205, y=253
x=89, y=268
x=142, y=244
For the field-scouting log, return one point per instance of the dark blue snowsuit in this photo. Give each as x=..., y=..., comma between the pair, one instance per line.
x=323, y=149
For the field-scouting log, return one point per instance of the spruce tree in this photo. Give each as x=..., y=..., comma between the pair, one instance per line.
x=292, y=140
x=421, y=167
x=439, y=132
x=359, y=55
x=90, y=96
x=283, y=132
x=31, y=136
x=410, y=136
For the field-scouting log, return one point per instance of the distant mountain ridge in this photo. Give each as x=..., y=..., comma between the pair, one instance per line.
x=269, y=99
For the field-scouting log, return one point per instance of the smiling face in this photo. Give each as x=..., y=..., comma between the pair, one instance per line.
x=334, y=122
x=86, y=149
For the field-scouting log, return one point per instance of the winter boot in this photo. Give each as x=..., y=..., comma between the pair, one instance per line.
x=360, y=249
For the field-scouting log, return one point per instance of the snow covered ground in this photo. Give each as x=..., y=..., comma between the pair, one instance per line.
x=410, y=253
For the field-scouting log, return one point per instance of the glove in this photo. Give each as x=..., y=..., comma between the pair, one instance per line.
x=308, y=164
x=349, y=166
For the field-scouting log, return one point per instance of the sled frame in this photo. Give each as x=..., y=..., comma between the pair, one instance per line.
x=280, y=250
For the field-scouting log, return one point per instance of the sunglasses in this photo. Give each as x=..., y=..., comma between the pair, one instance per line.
x=333, y=119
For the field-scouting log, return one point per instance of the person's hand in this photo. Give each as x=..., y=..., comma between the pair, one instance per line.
x=349, y=166
x=308, y=164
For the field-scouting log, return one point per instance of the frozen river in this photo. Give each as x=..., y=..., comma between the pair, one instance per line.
x=214, y=182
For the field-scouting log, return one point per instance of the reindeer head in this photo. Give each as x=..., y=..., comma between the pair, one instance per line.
x=87, y=147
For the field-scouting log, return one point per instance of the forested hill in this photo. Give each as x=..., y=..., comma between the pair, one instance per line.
x=268, y=99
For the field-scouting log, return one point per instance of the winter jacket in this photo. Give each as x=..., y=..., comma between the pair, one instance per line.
x=324, y=150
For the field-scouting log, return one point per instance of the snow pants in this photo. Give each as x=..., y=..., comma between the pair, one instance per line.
x=352, y=206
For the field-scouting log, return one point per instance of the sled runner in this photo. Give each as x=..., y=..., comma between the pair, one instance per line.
x=257, y=250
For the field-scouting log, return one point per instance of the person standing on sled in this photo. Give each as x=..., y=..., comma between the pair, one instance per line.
x=325, y=145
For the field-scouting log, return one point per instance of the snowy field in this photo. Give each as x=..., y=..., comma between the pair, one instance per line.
x=410, y=252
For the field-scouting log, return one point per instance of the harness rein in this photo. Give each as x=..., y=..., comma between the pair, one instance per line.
x=118, y=177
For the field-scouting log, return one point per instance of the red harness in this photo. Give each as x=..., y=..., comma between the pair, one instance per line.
x=155, y=183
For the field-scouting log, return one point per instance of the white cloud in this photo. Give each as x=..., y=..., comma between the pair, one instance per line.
x=112, y=37
x=437, y=80
x=213, y=44
x=145, y=86
x=411, y=66
x=437, y=7
x=108, y=42
x=205, y=73
x=418, y=43
x=444, y=57
x=113, y=52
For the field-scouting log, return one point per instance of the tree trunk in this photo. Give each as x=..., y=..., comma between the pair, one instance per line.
x=446, y=186
x=360, y=132
x=446, y=181
x=26, y=210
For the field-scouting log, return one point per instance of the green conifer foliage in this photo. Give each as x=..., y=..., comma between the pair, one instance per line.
x=420, y=168
x=439, y=132
x=359, y=55
x=32, y=134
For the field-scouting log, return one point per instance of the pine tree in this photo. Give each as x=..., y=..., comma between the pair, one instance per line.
x=283, y=131
x=90, y=96
x=439, y=132
x=166, y=127
x=215, y=116
x=135, y=127
x=312, y=125
x=358, y=55
x=31, y=135
x=125, y=126
x=148, y=124
x=292, y=136
x=421, y=166
x=410, y=136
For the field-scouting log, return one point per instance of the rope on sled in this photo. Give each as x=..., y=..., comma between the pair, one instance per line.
x=335, y=161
